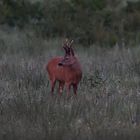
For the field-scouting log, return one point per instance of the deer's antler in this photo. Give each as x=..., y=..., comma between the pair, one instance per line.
x=68, y=47
x=65, y=45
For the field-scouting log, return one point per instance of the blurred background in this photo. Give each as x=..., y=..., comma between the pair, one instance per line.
x=101, y=22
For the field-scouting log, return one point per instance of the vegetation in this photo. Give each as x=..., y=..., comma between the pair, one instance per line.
x=108, y=102
x=101, y=22
x=107, y=105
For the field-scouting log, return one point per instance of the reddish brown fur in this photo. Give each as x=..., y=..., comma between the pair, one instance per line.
x=66, y=70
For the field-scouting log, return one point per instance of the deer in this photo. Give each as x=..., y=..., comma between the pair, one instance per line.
x=65, y=69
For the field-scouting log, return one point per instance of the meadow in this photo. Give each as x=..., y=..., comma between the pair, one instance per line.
x=108, y=100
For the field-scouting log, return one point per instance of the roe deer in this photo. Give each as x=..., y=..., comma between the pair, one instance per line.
x=66, y=70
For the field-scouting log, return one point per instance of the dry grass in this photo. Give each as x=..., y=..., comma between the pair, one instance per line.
x=108, y=101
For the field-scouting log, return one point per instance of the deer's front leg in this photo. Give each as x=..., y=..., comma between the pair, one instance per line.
x=61, y=87
x=68, y=85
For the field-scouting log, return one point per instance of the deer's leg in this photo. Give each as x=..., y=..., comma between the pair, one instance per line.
x=61, y=87
x=53, y=82
x=75, y=89
x=68, y=85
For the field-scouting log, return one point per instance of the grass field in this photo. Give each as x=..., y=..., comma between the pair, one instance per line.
x=108, y=101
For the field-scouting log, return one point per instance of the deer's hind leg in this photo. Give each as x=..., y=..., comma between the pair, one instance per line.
x=75, y=89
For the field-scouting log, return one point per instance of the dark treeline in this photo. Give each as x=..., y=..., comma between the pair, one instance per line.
x=102, y=22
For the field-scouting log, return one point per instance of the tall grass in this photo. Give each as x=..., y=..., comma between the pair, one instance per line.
x=108, y=101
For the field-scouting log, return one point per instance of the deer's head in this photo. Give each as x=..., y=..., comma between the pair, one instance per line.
x=69, y=57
